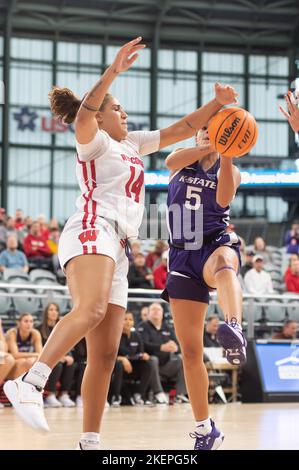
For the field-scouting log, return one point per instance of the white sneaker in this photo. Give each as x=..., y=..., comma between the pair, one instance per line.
x=66, y=401
x=51, y=402
x=28, y=403
x=79, y=402
x=107, y=404
x=181, y=399
x=138, y=399
x=161, y=398
x=1, y=405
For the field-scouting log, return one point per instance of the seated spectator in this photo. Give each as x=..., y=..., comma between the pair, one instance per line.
x=19, y=219
x=7, y=361
x=257, y=280
x=43, y=227
x=24, y=343
x=289, y=330
x=209, y=337
x=159, y=340
x=160, y=273
x=11, y=258
x=139, y=275
x=64, y=371
x=259, y=247
x=153, y=259
x=36, y=249
x=291, y=276
x=291, y=238
x=135, y=249
x=135, y=364
x=248, y=262
x=144, y=313
x=80, y=356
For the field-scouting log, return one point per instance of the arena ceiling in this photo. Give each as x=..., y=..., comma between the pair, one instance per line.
x=265, y=24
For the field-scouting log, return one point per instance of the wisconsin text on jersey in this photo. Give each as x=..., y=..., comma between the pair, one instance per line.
x=133, y=160
x=199, y=181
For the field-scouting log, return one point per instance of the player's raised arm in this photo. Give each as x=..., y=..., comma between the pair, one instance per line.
x=293, y=112
x=190, y=124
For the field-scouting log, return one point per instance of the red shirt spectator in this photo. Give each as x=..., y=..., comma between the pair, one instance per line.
x=154, y=257
x=19, y=220
x=292, y=275
x=35, y=245
x=160, y=273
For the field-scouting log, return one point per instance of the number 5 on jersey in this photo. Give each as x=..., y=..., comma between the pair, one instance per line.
x=193, y=196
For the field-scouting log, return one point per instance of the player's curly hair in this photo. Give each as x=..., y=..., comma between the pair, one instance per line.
x=65, y=104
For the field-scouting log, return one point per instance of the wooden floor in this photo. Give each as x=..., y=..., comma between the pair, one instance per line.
x=246, y=426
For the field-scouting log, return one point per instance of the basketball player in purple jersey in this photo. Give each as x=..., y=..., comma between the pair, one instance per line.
x=205, y=186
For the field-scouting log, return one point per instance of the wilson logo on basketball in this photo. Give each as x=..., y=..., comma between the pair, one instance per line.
x=88, y=236
x=228, y=131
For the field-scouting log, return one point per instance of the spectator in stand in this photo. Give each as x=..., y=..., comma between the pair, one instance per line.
x=12, y=258
x=160, y=340
x=160, y=273
x=3, y=230
x=144, y=313
x=209, y=337
x=248, y=262
x=24, y=343
x=28, y=224
x=80, y=356
x=139, y=276
x=136, y=364
x=289, y=330
x=259, y=247
x=64, y=371
x=291, y=276
x=135, y=250
x=43, y=227
x=291, y=238
x=19, y=219
x=7, y=361
x=36, y=248
x=153, y=259
x=257, y=280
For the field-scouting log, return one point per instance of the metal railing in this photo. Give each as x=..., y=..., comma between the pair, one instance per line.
x=250, y=301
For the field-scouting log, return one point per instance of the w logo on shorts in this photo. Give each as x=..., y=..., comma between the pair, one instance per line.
x=88, y=236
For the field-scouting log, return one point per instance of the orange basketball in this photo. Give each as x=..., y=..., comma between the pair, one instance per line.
x=233, y=132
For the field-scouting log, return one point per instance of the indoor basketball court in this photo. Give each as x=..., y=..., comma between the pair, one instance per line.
x=149, y=225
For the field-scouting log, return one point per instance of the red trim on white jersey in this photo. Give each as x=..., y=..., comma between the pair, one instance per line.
x=88, y=197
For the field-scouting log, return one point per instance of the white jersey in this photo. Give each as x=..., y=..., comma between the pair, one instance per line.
x=111, y=178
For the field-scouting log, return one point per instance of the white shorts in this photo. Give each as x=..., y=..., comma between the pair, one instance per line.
x=100, y=239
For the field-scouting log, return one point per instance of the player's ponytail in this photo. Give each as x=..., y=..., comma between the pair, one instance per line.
x=64, y=104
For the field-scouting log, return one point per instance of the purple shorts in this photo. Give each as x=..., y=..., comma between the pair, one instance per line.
x=185, y=278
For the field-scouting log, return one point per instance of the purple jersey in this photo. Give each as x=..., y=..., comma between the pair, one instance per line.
x=193, y=212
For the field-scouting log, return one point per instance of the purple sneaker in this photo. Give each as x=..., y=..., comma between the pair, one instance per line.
x=210, y=441
x=231, y=338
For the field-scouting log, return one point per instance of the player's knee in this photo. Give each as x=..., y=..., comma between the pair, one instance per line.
x=192, y=354
x=95, y=314
x=223, y=260
x=109, y=358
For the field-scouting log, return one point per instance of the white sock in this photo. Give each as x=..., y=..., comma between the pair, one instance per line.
x=90, y=441
x=38, y=374
x=204, y=427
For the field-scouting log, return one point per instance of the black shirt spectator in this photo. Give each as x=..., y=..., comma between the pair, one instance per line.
x=153, y=338
x=131, y=346
x=248, y=262
x=139, y=276
x=209, y=338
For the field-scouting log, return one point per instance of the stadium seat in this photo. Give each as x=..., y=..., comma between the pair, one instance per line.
x=15, y=276
x=41, y=274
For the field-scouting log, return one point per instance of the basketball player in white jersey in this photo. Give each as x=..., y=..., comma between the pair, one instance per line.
x=92, y=246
